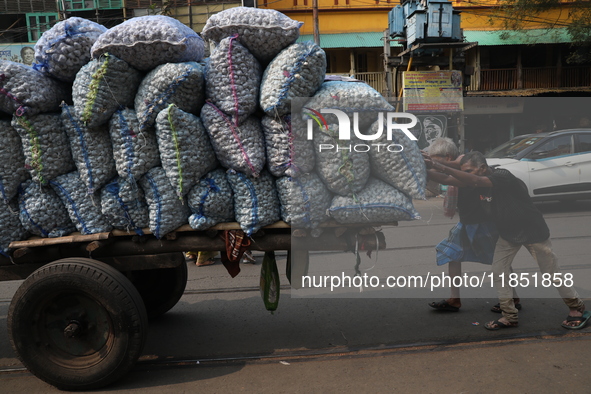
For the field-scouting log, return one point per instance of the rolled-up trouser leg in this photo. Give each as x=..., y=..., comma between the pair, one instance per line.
x=505, y=252
x=548, y=263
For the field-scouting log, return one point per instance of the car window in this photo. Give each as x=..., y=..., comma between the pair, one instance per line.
x=558, y=146
x=511, y=148
x=584, y=143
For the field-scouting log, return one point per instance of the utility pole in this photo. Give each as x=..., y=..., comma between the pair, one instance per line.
x=315, y=18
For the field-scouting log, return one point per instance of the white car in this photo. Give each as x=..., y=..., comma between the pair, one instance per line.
x=554, y=166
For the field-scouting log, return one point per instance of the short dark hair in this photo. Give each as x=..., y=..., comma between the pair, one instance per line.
x=476, y=158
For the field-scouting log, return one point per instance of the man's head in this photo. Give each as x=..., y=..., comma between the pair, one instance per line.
x=475, y=163
x=443, y=149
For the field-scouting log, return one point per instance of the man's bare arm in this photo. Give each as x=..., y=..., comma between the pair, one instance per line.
x=444, y=179
x=470, y=180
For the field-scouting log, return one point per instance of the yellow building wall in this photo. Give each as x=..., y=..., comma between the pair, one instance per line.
x=369, y=16
x=343, y=22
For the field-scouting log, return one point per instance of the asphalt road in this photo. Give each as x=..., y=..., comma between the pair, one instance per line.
x=220, y=338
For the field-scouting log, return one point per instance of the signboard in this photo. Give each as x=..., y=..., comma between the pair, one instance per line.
x=20, y=53
x=493, y=105
x=433, y=91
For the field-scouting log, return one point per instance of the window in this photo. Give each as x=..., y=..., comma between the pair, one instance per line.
x=109, y=4
x=559, y=146
x=75, y=5
x=39, y=23
x=583, y=143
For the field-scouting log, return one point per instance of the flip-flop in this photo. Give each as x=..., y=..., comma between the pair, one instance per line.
x=497, y=325
x=497, y=308
x=444, y=306
x=583, y=319
x=206, y=263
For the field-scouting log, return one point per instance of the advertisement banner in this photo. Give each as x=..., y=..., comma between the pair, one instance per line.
x=20, y=53
x=433, y=91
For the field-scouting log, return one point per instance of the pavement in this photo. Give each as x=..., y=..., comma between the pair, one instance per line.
x=219, y=338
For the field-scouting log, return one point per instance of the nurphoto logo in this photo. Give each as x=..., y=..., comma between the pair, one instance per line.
x=344, y=130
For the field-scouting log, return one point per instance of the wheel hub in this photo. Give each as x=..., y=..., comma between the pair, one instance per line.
x=72, y=330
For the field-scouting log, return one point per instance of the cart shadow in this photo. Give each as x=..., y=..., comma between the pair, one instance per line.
x=202, y=340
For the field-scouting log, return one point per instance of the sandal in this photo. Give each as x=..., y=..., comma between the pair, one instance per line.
x=205, y=263
x=582, y=319
x=497, y=308
x=443, y=305
x=497, y=325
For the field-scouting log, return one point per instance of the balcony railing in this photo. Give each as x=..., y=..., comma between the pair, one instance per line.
x=532, y=78
x=376, y=80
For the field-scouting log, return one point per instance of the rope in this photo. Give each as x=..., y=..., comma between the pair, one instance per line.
x=84, y=149
x=113, y=188
x=73, y=205
x=211, y=187
x=237, y=138
x=157, y=102
x=20, y=111
x=301, y=60
x=36, y=153
x=69, y=31
x=307, y=219
x=23, y=210
x=93, y=89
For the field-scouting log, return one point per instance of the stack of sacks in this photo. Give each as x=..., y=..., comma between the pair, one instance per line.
x=152, y=135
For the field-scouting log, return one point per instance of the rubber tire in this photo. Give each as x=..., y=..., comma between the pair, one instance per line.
x=161, y=289
x=98, y=290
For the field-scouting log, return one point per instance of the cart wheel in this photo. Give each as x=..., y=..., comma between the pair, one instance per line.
x=77, y=324
x=161, y=288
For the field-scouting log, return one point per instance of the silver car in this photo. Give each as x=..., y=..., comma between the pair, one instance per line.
x=554, y=165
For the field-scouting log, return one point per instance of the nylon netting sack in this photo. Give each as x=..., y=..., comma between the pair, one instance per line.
x=264, y=32
x=181, y=84
x=377, y=203
x=65, y=48
x=256, y=203
x=84, y=209
x=45, y=145
x=122, y=214
x=233, y=78
x=149, y=41
x=11, y=228
x=241, y=148
x=12, y=161
x=298, y=71
x=211, y=201
x=185, y=150
x=135, y=152
x=342, y=169
x=24, y=90
x=103, y=86
x=288, y=151
x=91, y=150
x=167, y=212
x=351, y=98
x=304, y=200
x=42, y=212
x=405, y=170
